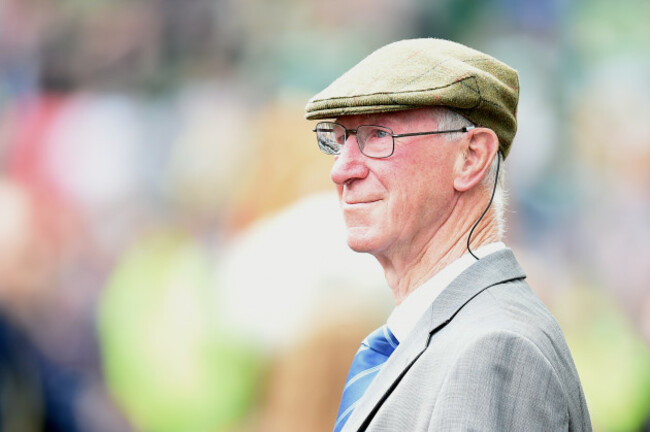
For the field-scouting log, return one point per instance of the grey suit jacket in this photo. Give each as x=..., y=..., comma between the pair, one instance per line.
x=486, y=356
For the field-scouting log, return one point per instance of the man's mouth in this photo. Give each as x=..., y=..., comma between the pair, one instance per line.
x=351, y=202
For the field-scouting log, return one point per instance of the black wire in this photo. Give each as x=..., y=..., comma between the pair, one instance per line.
x=494, y=189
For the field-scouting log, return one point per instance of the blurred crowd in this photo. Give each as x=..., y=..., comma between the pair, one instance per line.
x=171, y=253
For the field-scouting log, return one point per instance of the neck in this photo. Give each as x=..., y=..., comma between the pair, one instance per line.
x=405, y=273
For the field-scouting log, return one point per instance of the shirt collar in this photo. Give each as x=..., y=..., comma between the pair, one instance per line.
x=405, y=315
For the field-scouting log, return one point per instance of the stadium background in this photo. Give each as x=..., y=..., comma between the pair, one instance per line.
x=172, y=257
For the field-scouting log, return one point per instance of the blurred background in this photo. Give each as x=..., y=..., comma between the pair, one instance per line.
x=172, y=257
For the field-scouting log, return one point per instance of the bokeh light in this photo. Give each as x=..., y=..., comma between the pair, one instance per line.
x=173, y=258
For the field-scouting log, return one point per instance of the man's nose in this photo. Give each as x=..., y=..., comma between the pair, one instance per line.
x=350, y=163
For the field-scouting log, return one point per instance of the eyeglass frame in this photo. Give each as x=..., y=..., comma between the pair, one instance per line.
x=349, y=132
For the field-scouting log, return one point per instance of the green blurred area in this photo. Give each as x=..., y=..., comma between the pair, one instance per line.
x=166, y=358
x=612, y=358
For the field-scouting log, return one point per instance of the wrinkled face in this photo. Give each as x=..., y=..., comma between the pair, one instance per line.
x=395, y=205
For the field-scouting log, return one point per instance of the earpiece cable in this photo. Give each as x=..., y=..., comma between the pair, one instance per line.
x=494, y=189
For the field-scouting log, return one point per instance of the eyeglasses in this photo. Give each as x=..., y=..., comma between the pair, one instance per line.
x=374, y=141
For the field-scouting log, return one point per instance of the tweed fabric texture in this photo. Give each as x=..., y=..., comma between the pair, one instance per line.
x=417, y=73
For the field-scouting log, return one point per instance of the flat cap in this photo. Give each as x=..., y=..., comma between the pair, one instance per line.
x=417, y=73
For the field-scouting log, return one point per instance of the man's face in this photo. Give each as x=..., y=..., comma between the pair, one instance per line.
x=396, y=205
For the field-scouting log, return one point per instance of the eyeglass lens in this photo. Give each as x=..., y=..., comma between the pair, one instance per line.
x=373, y=141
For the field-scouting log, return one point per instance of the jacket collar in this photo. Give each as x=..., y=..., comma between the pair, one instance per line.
x=495, y=268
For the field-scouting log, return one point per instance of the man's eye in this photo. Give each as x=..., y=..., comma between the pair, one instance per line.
x=380, y=133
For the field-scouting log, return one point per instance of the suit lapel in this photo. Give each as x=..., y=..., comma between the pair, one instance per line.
x=496, y=268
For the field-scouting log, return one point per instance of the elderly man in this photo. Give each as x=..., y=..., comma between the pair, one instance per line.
x=418, y=131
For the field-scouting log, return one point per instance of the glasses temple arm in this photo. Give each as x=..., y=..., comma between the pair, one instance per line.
x=463, y=129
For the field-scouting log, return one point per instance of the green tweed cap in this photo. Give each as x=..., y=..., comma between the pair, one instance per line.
x=418, y=73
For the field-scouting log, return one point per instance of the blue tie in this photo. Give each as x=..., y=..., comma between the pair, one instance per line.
x=372, y=354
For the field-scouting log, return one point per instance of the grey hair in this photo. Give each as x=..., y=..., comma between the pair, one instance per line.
x=448, y=119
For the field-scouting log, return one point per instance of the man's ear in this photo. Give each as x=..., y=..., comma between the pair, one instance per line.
x=480, y=148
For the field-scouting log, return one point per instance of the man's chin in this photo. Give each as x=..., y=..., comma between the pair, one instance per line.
x=358, y=248
x=360, y=240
